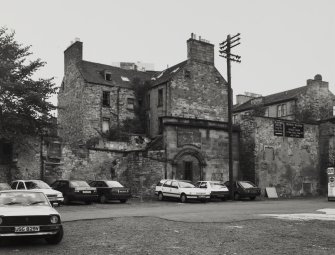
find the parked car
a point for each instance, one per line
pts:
(244, 189)
(54, 196)
(182, 190)
(217, 189)
(73, 190)
(110, 190)
(4, 186)
(28, 213)
(159, 186)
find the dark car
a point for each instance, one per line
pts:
(4, 186)
(26, 213)
(76, 191)
(111, 190)
(244, 189)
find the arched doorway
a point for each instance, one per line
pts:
(188, 164)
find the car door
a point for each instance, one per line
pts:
(175, 192)
(166, 189)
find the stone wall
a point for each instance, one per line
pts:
(207, 147)
(289, 164)
(138, 170)
(202, 96)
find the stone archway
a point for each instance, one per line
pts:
(188, 164)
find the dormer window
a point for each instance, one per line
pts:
(108, 76)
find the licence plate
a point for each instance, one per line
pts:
(86, 192)
(27, 229)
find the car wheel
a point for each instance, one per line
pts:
(123, 200)
(55, 239)
(183, 198)
(236, 196)
(102, 199)
(160, 196)
(252, 198)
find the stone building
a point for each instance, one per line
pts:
(185, 120)
(285, 138)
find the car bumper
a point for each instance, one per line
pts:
(198, 197)
(45, 230)
(85, 198)
(56, 199)
(118, 196)
(220, 194)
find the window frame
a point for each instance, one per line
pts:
(160, 99)
(106, 98)
(105, 119)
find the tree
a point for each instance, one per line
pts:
(24, 106)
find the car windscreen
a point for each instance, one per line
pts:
(186, 185)
(247, 185)
(37, 185)
(217, 185)
(114, 184)
(79, 184)
(22, 198)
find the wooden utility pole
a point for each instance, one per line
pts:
(225, 50)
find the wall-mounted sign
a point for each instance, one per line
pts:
(278, 128)
(294, 130)
(288, 129)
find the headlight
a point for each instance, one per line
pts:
(54, 219)
(0, 220)
(59, 195)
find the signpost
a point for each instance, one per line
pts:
(331, 183)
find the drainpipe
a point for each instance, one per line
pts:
(118, 111)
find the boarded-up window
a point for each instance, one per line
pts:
(268, 154)
(130, 103)
(105, 125)
(54, 150)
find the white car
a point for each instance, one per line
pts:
(182, 190)
(54, 196)
(26, 213)
(217, 189)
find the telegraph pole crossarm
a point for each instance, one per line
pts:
(225, 50)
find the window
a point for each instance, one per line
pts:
(130, 103)
(148, 101)
(108, 76)
(187, 74)
(21, 186)
(6, 153)
(266, 114)
(281, 110)
(234, 119)
(217, 79)
(160, 97)
(106, 98)
(105, 125)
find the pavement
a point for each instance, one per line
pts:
(219, 211)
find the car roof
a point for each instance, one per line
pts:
(32, 180)
(21, 190)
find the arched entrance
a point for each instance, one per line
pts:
(188, 164)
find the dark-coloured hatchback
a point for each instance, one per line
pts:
(244, 189)
(76, 191)
(111, 190)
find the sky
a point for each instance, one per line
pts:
(283, 42)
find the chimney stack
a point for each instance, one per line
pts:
(73, 54)
(200, 50)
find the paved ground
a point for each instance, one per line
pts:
(193, 228)
(218, 211)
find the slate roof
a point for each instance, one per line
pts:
(167, 74)
(272, 99)
(94, 73)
